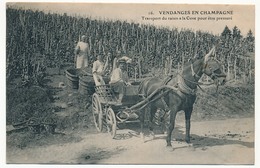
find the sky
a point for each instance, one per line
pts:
(243, 16)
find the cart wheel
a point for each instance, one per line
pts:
(111, 122)
(97, 112)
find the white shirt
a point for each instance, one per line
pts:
(82, 50)
(98, 66)
(82, 47)
(118, 75)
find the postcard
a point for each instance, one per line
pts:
(130, 83)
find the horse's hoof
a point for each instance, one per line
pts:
(151, 136)
(187, 141)
(190, 145)
(142, 137)
(169, 148)
(169, 145)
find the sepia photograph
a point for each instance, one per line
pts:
(101, 83)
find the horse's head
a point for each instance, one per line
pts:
(214, 70)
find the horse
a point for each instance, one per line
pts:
(184, 96)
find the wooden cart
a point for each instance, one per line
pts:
(108, 113)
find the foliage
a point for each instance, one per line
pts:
(53, 37)
(226, 32)
(26, 102)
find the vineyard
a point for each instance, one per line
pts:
(36, 41)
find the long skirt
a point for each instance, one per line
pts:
(81, 61)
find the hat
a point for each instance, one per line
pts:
(127, 59)
(101, 55)
(121, 61)
(83, 37)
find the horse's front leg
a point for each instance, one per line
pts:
(187, 122)
(171, 126)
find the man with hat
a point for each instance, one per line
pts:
(120, 57)
(119, 79)
(81, 53)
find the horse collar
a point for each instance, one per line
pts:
(195, 75)
(184, 88)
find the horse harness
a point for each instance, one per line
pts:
(181, 88)
(178, 88)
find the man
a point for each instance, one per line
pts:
(119, 80)
(120, 57)
(99, 68)
(109, 66)
(115, 61)
(81, 53)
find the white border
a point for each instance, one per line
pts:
(3, 84)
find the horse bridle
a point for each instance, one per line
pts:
(213, 75)
(195, 75)
(213, 71)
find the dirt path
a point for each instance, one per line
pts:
(228, 141)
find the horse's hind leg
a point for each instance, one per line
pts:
(151, 117)
(165, 122)
(141, 118)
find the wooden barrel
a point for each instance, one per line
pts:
(72, 78)
(86, 85)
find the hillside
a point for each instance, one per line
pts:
(231, 101)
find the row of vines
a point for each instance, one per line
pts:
(36, 40)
